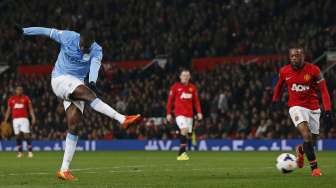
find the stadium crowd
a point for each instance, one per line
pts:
(236, 104)
(235, 97)
(132, 29)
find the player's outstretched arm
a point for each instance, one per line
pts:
(37, 31)
(52, 33)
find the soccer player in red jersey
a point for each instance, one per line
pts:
(303, 80)
(19, 105)
(183, 95)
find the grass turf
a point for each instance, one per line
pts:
(160, 169)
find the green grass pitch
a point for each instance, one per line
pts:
(160, 169)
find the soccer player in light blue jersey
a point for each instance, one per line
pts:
(79, 56)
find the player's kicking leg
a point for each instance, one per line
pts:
(83, 93)
(308, 148)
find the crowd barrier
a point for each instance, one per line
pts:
(172, 145)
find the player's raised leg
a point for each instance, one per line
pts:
(73, 115)
(84, 93)
(308, 147)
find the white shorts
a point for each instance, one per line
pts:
(21, 125)
(184, 122)
(300, 114)
(63, 86)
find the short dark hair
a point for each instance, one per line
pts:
(296, 45)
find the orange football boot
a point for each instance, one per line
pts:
(66, 175)
(316, 172)
(131, 119)
(299, 156)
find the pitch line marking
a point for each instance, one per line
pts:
(113, 170)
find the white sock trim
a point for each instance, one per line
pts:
(69, 151)
(99, 106)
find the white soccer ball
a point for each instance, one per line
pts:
(286, 163)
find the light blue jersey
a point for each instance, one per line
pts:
(70, 60)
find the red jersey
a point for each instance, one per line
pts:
(19, 106)
(302, 87)
(184, 98)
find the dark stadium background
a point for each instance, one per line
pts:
(234, 49)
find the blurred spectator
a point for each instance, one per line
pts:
(235, 97)
(131, 29)
(236, 105)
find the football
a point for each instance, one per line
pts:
(286, 163)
